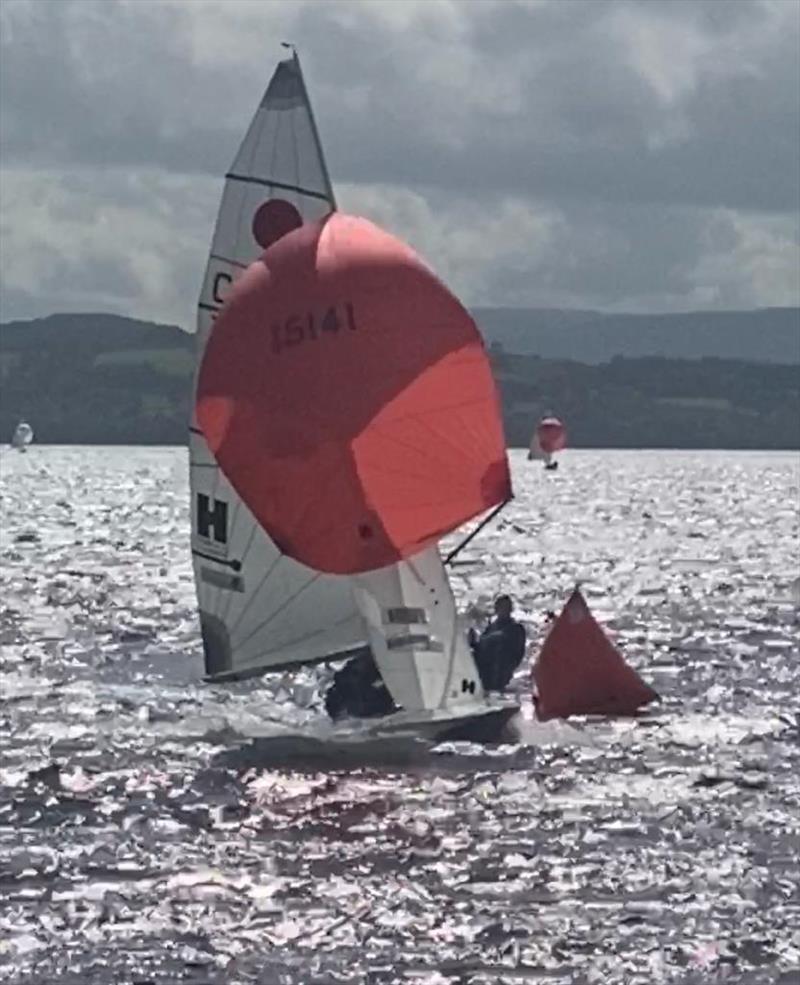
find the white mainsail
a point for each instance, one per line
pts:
(259, 609)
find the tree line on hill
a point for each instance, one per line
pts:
(106, 380)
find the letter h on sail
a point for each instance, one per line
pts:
(215, 518)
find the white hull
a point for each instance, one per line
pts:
(482, 721)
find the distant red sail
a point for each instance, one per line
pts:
(580, 672)
(348, 398)
(552, 435)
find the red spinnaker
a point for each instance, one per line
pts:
(580, 672)
(347, 397)
(552, 435)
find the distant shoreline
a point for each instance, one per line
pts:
(105, 380)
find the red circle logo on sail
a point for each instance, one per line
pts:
(273, 220)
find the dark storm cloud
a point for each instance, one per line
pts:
(568, 99)
(619, 153)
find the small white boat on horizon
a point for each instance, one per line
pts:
(22, 437)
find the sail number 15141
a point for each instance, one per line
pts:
(313, 325)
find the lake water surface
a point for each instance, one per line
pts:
(157, 829)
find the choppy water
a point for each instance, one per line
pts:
(156, 829)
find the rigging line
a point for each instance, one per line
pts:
(232, 629)
(468, 539)
(242, 643)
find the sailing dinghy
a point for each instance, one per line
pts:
(345, 421)
(549, 437)
(22, 437)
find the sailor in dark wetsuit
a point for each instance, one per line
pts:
(358, 690)
(499, 649)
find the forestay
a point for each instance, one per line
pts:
(258, 608)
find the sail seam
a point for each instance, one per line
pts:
(267, 183)
(232, 629)
(274, 615)
(233, 263)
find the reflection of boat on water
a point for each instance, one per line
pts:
(331, 452)
(549, 437)
(22, 437)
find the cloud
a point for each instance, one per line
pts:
(623, 154)
(129, 242)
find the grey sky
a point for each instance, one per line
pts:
(622, 154)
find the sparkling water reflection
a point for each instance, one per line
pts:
(154, 828)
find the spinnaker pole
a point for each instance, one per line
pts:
(485, 522)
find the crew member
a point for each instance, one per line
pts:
(358, 690)
(499, 649)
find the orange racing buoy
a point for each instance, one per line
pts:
(579, 671)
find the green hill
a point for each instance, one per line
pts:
(102, 379)
(765, 335)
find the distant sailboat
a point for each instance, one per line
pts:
(22, 437)
(332, 446)
(549, 437)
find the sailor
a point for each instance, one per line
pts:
(499, 649)
(358, 690)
